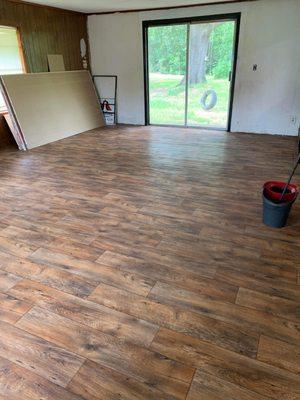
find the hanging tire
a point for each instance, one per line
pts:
(209, 99)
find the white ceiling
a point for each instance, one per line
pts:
(90, 6)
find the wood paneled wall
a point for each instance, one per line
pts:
(46, 30)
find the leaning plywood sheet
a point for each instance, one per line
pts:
(53, 106)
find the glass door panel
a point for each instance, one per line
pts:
(167, 59)
(210, 65)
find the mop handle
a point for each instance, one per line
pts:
(290, 178)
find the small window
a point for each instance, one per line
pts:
(11, 55)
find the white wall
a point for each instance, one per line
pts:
(116, 47)
(265, 101)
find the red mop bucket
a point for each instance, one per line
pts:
(278, 198)
(274, 190)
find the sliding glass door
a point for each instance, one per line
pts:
(211, 56)
(167, 49)
(189, 68)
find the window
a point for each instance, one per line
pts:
(11, 56)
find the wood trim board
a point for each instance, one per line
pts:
(171, 7)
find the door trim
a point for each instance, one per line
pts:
(187, 66)
(207, 18)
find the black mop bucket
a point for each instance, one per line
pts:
(275, 215)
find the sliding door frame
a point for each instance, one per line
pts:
(236, 17)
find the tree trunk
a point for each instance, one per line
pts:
(199, 42)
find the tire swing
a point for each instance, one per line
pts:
(209, 99)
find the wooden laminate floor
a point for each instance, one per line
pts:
(134, 265)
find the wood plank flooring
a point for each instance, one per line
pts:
(134, 266)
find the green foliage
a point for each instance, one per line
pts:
(221, 50)
(167, 50)
(221, 70)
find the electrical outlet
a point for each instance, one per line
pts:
(293, 119)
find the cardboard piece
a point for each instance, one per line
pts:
(56, 62)
(52, 106)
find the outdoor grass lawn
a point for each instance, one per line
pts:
(167, 99)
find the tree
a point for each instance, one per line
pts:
(222, 50)
(167, 49)
(210, 50)
(199, 44)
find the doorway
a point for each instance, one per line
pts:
(190, 71)
(11, 55)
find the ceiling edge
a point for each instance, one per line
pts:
(170, 7)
